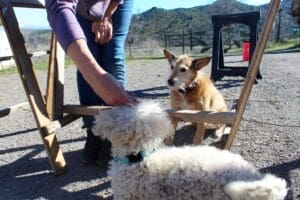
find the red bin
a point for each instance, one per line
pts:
(246, 51)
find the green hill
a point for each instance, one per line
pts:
(156, 22)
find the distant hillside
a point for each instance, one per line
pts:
(156, 22)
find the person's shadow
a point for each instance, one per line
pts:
(31, 178)
(151, 93)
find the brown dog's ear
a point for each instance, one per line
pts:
(199, 63)
(169, 56)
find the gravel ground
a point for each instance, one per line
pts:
(268, 136)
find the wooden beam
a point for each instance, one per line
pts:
(30, 84)
(55, 81)
(182, 115)
(203, 116)
(59, 123)
(84, 110)
(253, 69)
(7, 111)
(28, 3)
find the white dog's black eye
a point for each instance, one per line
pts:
(183, 69)
(172, 67)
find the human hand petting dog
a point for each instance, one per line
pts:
(103, 30)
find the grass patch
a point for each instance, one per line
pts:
(284, 45)
(37, 66)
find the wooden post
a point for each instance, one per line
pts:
(55, 81)
(31, 86)
(253, 69)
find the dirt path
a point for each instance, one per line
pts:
(269, 135)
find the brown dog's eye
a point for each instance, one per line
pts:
(183, 69)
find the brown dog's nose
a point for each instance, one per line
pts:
(171, 82)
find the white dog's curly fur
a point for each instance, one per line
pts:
(185, 173)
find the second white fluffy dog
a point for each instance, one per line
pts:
(143, 168)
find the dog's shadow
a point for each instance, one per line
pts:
(185, 133)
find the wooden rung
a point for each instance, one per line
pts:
(38, 53)
(203, 116)
(12, 109)
(182, 115)
(59, 123)
(84, 110)
(28, 3)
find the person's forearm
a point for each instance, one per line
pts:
(83, 59)
(103, 84)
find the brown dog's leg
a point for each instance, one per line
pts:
(199, 133)
(220, 132)
(170, 140)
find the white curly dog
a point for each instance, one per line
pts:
(143, 168)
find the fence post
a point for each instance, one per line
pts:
(191, 41)
(166, 41)
(182, 42)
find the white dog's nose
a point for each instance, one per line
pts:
(171, 82)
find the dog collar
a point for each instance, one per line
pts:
(131, 159)
(188, 89)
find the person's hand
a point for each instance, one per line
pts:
(103, 30)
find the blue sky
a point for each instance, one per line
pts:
(37, 17)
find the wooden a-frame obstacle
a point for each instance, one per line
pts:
(50, 112)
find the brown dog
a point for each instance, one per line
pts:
(192, 89)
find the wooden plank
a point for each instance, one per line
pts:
(32, 55)
(253, 69)
(38, 53)
(50, 79)
(28, 3)
(30, 84)
(61, 122)
(9, 110)
(203, 116)
(59, 80)
(182, 115)
(84, 110)
(55, 81)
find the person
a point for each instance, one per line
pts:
(93, 34)
(296, 10)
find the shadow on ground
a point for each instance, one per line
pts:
(150, 93)
(28, 170)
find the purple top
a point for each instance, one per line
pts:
(62, 17)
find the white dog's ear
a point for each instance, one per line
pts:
(199, 63)
(169, 56)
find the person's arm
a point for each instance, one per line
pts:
(61, 17)
(103, 28)
(104, 85)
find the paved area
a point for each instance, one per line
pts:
(268, 137)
